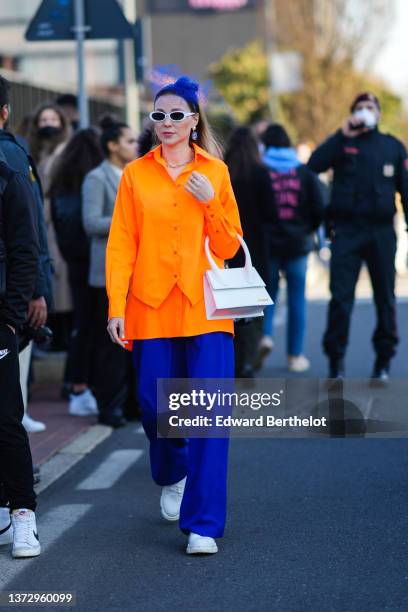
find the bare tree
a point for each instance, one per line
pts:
(337, 41)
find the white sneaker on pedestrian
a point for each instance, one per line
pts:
(264, 348)
(6, 528)
(31, 425)
(298, 363)
(83, 404)
(201, 545)
(25, 537)
(170, 500)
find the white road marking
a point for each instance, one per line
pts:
(51, 526)
(110, 470)
(139, 430)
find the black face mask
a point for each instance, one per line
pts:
(48, 131)
(75, 124)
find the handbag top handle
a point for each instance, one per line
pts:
(248, 261)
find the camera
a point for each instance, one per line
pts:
(42, 335)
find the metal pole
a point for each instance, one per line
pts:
(269, 16)
(79, 31)
(131, 87)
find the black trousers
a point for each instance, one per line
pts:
(246, 340)
(82, 338)
(16, 466)
(112, 368)
(352, 245)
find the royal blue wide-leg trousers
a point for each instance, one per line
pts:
(203, 460)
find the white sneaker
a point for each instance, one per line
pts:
(31, 425)
(201, 545)
(6, 528)
(25, 539)
(170, 500)
(264, 348)
(298, 363)
(83, 404)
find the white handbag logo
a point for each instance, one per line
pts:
(234, 293)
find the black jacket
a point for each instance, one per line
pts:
(18, 234)
(368, 171)
(17, 157)
(296, 211)
(254, 199)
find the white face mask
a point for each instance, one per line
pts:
(366, 116)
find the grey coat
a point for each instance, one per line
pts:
(98, 200)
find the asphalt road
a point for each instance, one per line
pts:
(313, 525)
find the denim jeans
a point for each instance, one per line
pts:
(294, 270)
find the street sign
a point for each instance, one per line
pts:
(285, 70)
(54, 20)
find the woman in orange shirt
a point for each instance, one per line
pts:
(168, 202)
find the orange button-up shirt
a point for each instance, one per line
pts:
(155, 256)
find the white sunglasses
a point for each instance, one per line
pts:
(177, 116)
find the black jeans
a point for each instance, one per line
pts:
(246, 340)
(82, 338)
(16, 466)
(352, 245)
(112, 368)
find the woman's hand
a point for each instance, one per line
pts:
(116, 331)
(200, 187)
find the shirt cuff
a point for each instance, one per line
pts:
(116, 308)
(212, 209)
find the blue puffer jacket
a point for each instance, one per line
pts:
(15, 153)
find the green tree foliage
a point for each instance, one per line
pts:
(241, 76)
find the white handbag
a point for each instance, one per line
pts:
(234, 293)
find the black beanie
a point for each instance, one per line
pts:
(367, 96)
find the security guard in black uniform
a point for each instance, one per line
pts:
(369, 168)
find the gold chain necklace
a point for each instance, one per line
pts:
(179, 165)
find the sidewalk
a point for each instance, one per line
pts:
(46, 405)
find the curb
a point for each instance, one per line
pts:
(70, 455)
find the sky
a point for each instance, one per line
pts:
(391, 63)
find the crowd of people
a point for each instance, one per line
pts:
(82, 200)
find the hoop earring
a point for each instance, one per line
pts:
(194, 135)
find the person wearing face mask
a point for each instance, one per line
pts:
(49, 135)
(112, 367)
(369, 167)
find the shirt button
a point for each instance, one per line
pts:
(175, 252)
(176, 276)
(175, 227)
(211, 216)
(174, 203)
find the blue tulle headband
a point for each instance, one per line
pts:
(184, 87)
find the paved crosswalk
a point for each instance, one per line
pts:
(51, 526)
(110, 470)
(59, 520)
